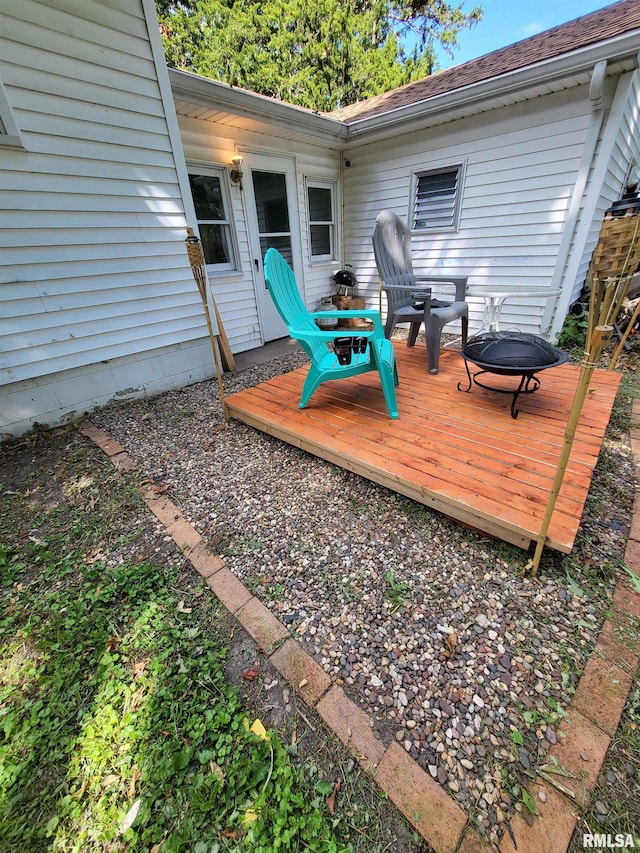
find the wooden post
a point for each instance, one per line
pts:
(617, 252)
(198, 268)
(228, 361)
(626, 334)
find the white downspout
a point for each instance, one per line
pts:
(596, 95)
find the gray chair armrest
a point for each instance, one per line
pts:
(458, 281)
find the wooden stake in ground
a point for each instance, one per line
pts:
(199, 270)
(615, 259)
(600, 338)
(623, 339)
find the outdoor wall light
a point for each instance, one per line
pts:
(235, 173)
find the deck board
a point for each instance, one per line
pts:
(459, 453)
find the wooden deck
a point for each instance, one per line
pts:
(459, 453)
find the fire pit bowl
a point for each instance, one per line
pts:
(510, 353)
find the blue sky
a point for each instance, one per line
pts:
(507, 21)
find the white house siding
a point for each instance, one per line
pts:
(94, 279)
(619, 146)
(521, 164)
(213, 143)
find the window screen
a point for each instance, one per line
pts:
(437, 199)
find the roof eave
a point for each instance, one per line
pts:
(566, 65)
(215, 95)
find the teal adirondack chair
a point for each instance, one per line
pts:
(378, 353)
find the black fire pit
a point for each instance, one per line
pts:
(510, 353)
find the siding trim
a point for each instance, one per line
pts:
(173, 128)
(596, 94)
(589, 208)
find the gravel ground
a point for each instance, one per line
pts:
(429, 626)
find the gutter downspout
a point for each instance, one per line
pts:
(596, 95)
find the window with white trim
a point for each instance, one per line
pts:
(436, 204)
(320, 196)
(212, 205)
(9, 130)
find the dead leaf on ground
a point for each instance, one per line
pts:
(250, 674)
(182, 608)
(131, 815)
(250, 816)
(452, 642)
(97, 555)
(230, 833)
(331, 799)
(81, 790)
(160, 488)
(132, 784)
(139, 667)
(216, 771)
(258, 729)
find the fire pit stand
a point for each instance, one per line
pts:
(510, 353)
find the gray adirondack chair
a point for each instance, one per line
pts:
(430, 299)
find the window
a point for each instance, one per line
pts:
(9, 130)
(437, 199)
(212, 213)
(321, 221)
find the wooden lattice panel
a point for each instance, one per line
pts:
(617, 253)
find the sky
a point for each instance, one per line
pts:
(507, 21)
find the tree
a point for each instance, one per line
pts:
(320, 54)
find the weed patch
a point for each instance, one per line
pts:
(112, 701)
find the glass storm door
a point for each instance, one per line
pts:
(271, 225)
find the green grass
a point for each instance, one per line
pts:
(118, 728)
(615, 804)
(115, 710)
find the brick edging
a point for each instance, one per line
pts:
(592, 717)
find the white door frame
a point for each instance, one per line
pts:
(271, 325)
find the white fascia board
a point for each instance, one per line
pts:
(567, 65)
(221, 96)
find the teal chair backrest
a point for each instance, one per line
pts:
(281, 284)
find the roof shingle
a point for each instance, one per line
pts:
(606, 23)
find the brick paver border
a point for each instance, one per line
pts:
(592, 719)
